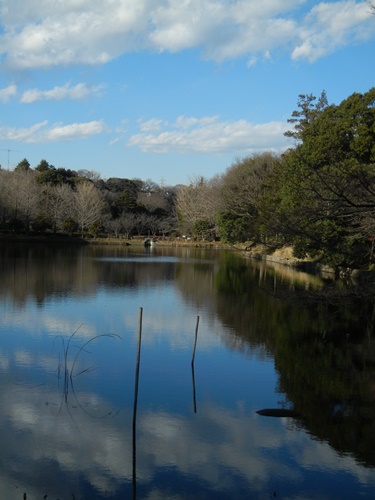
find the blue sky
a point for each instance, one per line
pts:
(170, 89)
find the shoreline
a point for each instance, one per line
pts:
(52, 238)
(282, 255)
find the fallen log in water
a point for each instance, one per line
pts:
(278, 412)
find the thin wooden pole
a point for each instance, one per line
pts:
(194, 393)
(135, 405)
(195, 341)
(192, 366)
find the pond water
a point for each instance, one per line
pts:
(81, 419)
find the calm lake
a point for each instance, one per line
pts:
(78, 423)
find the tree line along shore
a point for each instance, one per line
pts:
(317, 198)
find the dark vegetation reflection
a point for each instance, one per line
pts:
(323, 347)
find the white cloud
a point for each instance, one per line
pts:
(79, 91)
(21, 134)
(7, 93)
(41, 33)
(70, 132)
(40, 132)
(209, 135)
(188, 122)
(152, 125)
(329, 26)
(46, 33)
(224, 31)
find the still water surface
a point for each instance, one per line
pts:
(69, 329)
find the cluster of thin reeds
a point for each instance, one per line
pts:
(66, 366)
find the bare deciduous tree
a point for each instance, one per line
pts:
(4, 190)
(113, 226)
(200, 201)
(56, 204)
(87, 205)
(92, 175)
(152, 225)
(127, 224)
(140, 223)
(22, 197)
(168, 224)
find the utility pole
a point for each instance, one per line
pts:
(9, 151)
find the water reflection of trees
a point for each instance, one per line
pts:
(331, 382)
(41, 271)
(323, 346)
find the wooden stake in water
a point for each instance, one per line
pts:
(192, 366)
(195, 341)
(135, 403)
(194, 393)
